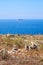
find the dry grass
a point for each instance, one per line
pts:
(22, 57)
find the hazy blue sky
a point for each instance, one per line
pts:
(26, 9)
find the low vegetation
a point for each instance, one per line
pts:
(21, 55)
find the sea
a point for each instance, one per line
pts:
(21, 26)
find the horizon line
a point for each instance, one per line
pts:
(21, 19)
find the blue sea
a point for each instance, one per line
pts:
(21, 26)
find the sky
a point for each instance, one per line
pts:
(21, 9)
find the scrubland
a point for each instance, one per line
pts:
(21, 56)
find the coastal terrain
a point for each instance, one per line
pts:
(21, 54)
